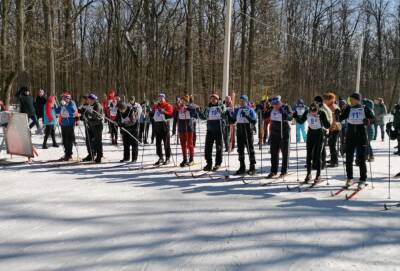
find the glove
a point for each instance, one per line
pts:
(63, 102)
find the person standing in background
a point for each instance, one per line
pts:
(380, 111)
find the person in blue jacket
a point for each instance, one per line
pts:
(67, 111)
(244, 116)
(300, 111)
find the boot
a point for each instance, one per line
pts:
(241, 170)
(55, 145)
(271, 175)
(349, 182)
(166, 162)
(87, 158)
(191, 161)
(123, 160)
(98, 159)
(159, 162)
(317, 179)
(208, 167)
(282, 175)
(184, 163)
(361, 185)
(308, 178)
(44, 146)
(252, 170)
(216, 167)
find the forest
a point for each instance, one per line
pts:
(295, 48)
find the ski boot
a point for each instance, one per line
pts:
(123, 160)
(166, 162)
(184, 163)
(208, 167)
(283, 175)
(191, 162)
(216, 167)
(87, 159)
(241, 170)
(44, 147)
(271, 175)
(252, 170)
(98, 159)
(361, 185)
(308, 178)
(317, 179)
(55, 145)
(349, 182)
(159, 162)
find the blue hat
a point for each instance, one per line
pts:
(92, 96)
(244, 98)
(276, 100)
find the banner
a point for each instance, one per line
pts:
(17, 134)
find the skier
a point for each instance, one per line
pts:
(111, 112)
(334, 130)
(396, 125)
(49, 120)
(300, 110)
(84, 105)
(161, 113)
(186, 114)
(280, 115)
(67, 111)
(144, 123)
(370, 130)
(358, 117)
(229, 131)
(342, 106)
(317, 125)
(244, 116)
(263, 129)
(329, 115)
(40, 102)
(28, 107)
(94, 116)
(380, 113)
(128, 118)
(213, 113)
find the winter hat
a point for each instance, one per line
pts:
(161, 95)
(67, 95)
(318, 99)
(300, 102)
(276, 100)
(244, 98)
(122, 106)
(356, 96)
(92, 96)
(185, 98)
(132, 99)
(215, 96)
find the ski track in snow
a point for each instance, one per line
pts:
(105, 217)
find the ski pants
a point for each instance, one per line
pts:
(279, 144)
(68, 138)
(315, 141)
(356, 144)
(211, 137)
(332, 143)
(161, 133)
(95, 134)
(245, 140)
(113, 131)
(186, 139)
(129, 142)
(301, 132)
(49, 131)
(382, 129)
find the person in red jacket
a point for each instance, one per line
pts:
(161, 112)
(111, 113)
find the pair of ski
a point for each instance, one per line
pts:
(349, 188)
(388, 207)
(197, 173)
(309, 186)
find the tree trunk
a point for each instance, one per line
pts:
(250, 57)
(20, 48)
(3, 42)
(243, 46)
(48, 17)
(200, 10)
(189, 49)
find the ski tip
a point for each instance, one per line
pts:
(288, 188)
(385, 207)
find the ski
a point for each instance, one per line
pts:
(301, 185)
(355, 192)
(147, 167)
(389, 207)
(341, 190)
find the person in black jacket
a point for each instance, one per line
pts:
(280, 115)
(128, 118)
(40, 102)
(84, 105)
(94, 117)
(317, 125)
(28, 106)
(358, 118)
(396, 125)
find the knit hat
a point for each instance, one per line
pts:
(161, 95)
(132, 99)
(215, 96)
(122, 106)
(185, 98)
(356, 96)
(92, 96)
(67, 95)
(244, 98)
(276, 100)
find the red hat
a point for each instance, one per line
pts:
(67, 94)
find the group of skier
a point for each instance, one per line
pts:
(345, 126)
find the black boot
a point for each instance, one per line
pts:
(308, 178)
(98, 159)
(159, 162)
(166, 162)
(184, 163)
(208, 167)
(241, 170)
(252, 170)
(191, 161)
(87, 158)
(216, 167)
(44, 147)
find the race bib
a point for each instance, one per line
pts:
(64, 112)
(114, 111)
(356, 116)
(276, 115)
(240, 118)
(214, 113)
(300, 111)
(158, 117)
(184, 115)
(314, 122)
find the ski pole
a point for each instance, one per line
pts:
(390, 177)
(199, 129)
(326, 166)
(297, 158)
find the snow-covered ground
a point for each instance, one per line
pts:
(103, 217)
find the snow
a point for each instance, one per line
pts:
(103, 217)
